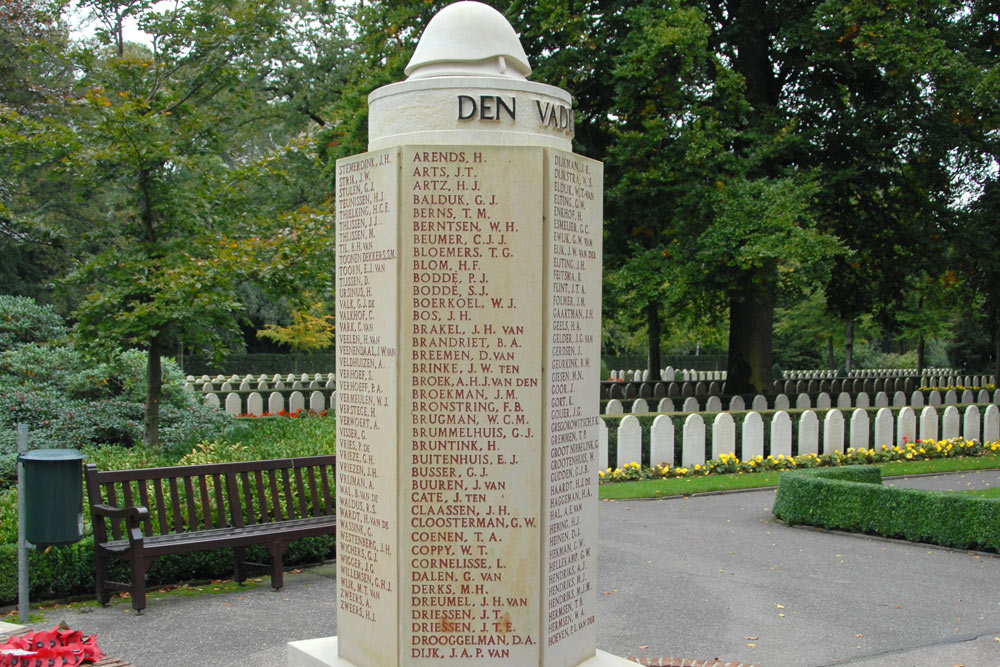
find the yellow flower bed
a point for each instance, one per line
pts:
(731, 464)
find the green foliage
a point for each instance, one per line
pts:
(311, 329)
(853, 499)
(72, 400)
(24, 321)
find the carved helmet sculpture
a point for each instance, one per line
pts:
(468, 39)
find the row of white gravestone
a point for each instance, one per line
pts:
(825, 373)
(251, 378)
(824, 401)
(938, 377)
(276, 403)
(262, 385)
(859, 431)
(668, 374)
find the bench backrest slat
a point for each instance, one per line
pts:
(206, 503)
(161, 511)
(116, 526)
(301, 492)
(192, 508)
(327, 496)
(248, 508)
(147, 526)
(258, 477)
(175, 505)
(311, 476)
(235, 507)
(220, 501)
(289, 499)
(272, 476)
(127, 494)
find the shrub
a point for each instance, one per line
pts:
(853, 499)
(24, 321)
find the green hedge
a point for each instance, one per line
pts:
(61, 572)
(262, 363)
(853, 499)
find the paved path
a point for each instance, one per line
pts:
(704, 577)
(717, 576)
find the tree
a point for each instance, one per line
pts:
(311, 329)
(182, 215)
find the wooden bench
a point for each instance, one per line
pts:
(139, 515)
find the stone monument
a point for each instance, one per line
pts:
(468, 332)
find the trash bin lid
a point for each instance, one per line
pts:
(53, 455)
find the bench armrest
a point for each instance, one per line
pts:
(133, 516)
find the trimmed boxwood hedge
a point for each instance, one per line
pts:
(66, 571)
(853, 499)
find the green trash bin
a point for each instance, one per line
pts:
(53, 496)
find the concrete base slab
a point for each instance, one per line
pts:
(322, 652)
(7, 628)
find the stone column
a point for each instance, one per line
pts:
(468, 317)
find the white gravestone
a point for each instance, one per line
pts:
(753, 436)
(469, 291)
(991, 424)
(255, 404)
(629, 442)
(972, 423)
(860, 429)
(950, 423)
(883, 428)
(833, 432)
(602, 447)
(723, 435)
(907, 426)
(781, 435)
(929, 423)
(808, 433)
(693, 444)
(661, 441)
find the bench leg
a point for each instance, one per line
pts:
(102, 575)
(140, 566)
(277, 550)
(239, 564)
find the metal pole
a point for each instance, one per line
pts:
(22, 545)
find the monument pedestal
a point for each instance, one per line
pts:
(323, 653)
(468, 367)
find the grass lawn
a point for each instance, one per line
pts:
(661, 488)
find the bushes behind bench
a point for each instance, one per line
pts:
(61, 572)
(854, 499)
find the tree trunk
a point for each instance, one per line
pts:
(996, 358)
(829, 353)
(653, 325)
(751, 322)
(154, 389)
(849, 347)
(921, 348)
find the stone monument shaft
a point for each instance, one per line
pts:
(468, 316)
